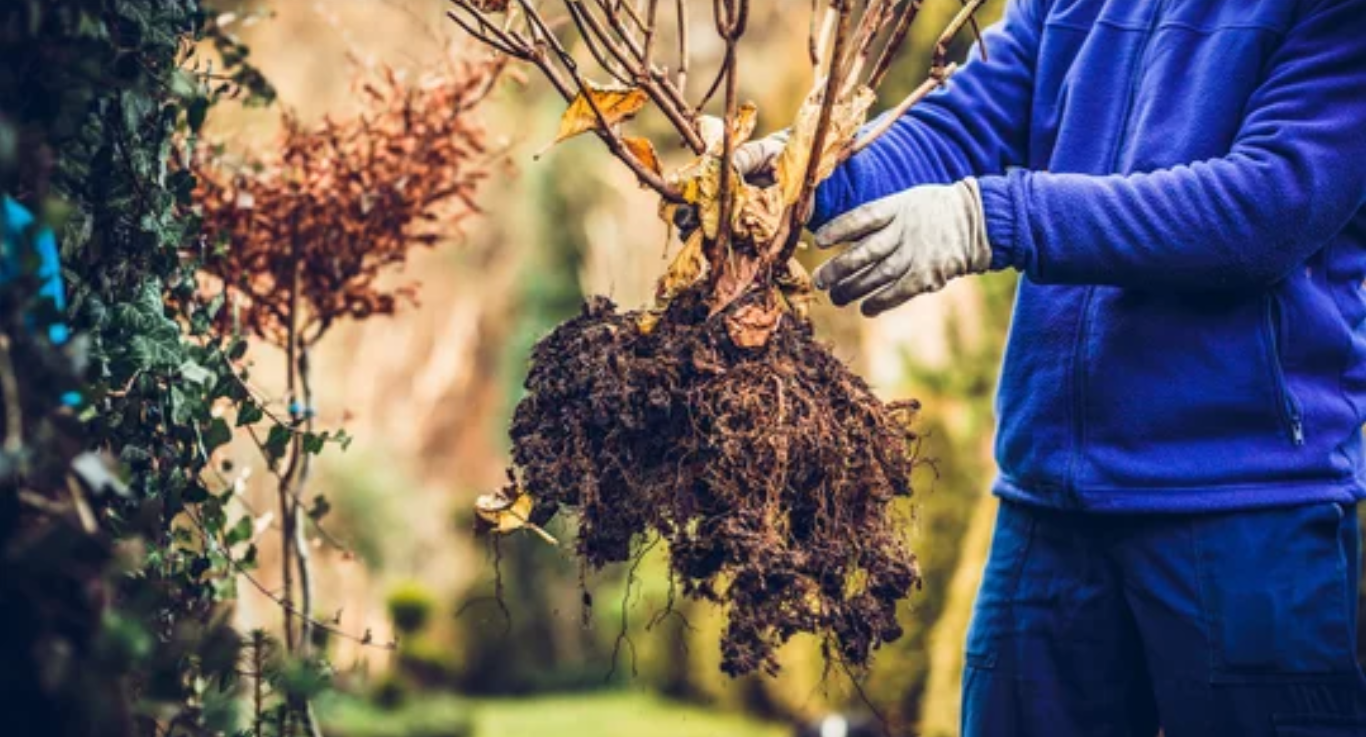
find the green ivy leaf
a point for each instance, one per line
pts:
(144, 338)
(240, 532)
(218, 435)
(342, 438)
(277, 442)
(314, 442)
(249, 413)
(196, 112)
(320, 508)
(193, 372)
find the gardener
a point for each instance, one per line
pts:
(1182, 186)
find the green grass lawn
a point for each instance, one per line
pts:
(605, 714)
(610, 714)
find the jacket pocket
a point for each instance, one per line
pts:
(1289, 407)
(1278, 594)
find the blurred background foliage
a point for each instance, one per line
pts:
(509, 649)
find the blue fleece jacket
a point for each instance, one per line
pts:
(1182, 185)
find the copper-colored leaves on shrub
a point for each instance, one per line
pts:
(323, 214)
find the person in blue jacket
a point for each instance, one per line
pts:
(1181, 185)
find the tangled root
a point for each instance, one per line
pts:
(770, 473)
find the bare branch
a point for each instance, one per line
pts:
(966, 15)
(684, 53)
(487, 33)
(889, 51)
(604, 129)
(650, 16)
(732, 29)
(653, 81)
(889, 119)
(833, 85)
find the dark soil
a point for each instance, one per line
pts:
(769, 472)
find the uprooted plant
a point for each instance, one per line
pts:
(713, 419)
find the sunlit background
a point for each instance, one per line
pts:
(427, 396)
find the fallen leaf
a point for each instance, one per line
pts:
(751, 325)
(647, 321)
(508, 514)
(617, 104)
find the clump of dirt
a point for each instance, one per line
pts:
(770, 472)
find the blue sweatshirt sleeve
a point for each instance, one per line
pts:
(1293, 178)
(977, 125)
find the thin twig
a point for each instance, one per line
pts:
(833, 85)
(731, 28)
(964, 16)
(285, 606)
(888, 120)
(300, 541)
(604, 130)
(894, 43)
(684, 53)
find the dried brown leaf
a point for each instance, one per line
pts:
(644, 151)
(617, 105)
(845, 120)
(504, 514)
(751, 325)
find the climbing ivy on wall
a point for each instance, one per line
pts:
(115, 566)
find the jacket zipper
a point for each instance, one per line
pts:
(1084, 324)
(1290, 408)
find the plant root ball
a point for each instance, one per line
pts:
(770, 473)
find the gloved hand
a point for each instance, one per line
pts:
(755, 161)
(905, 245)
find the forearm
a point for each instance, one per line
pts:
(977, 125)
(1291, 180)
(1228, 223)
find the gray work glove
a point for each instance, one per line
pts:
(755, 161)
(905, 245)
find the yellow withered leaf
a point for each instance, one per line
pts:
(797, 288)
(846, 118)
(687, 267)
(761, 215)
(617, 104)
(743, 128)
(647, 321)
(713, 129)
(699, 183)
(506, 515)
(644, 151)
